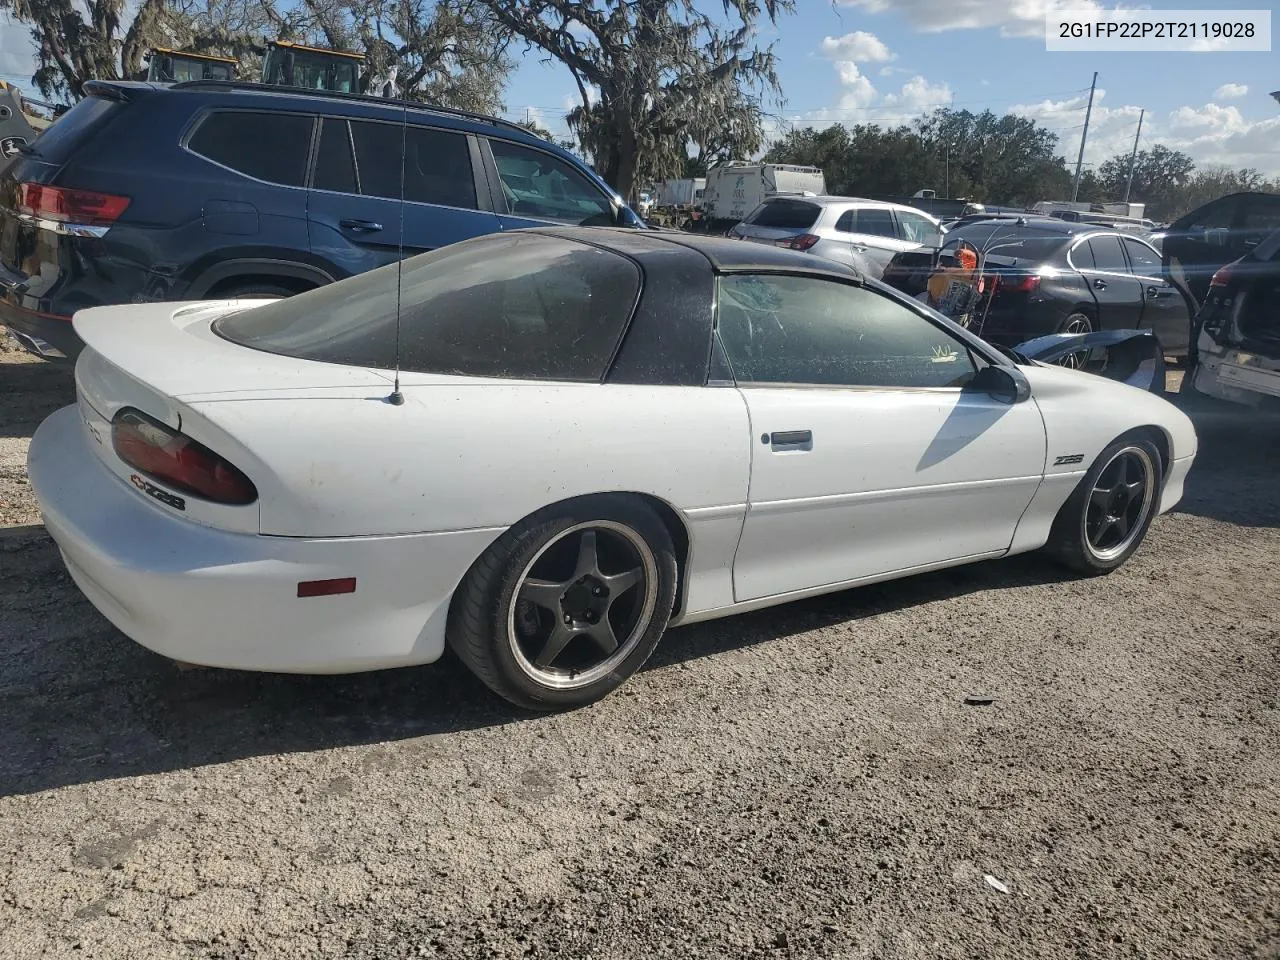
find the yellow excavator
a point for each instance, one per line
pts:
(175, 66)
(297, 65)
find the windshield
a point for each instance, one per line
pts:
(518, 305)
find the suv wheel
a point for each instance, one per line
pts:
(255, 289)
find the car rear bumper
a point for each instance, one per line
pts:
(216, 598)
(48, 335)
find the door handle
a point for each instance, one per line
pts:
(1099, 284)
(361, 226)
(860, 247)
(790, 440)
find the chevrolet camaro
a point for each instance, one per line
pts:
(545, 447)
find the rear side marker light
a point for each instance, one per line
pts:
(1222, 278)
(65, 205)
(174, 459)
(326, 588)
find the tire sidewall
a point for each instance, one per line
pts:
(1080, 504)
(532, 536)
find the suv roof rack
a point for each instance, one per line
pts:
(253, 87)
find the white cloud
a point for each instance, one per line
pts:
(855, 90)
(1015, 18)
(860, 46)
(1229, 91)
(918, 95)
(1211, 134)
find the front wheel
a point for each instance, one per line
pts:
(567, 604)
(1107, 517)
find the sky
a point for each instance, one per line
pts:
(889, 61)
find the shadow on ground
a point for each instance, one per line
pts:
(32, 390)
(81, 703)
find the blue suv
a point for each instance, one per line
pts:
(145, 192)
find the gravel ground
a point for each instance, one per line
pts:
(802, 782)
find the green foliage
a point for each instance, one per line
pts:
(655, 76)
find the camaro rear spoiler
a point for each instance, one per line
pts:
(1134, 357)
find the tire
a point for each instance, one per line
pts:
(1081, 538)
(254, 289)
(505, 617)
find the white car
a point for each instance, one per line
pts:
(866, 234)
(597, 434)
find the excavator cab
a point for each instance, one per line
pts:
(313, 68)
(175, 66)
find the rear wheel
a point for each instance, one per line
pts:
(1075, 323)
(568, 604)
(1107, 517)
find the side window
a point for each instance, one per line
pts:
(1082, 256)
(876, 221)
(1144, 260)
(1107, 254)
(537, 184)
(267, 146)
(335, 164)
(845, 223)
(802, 330)
(918, 229)
(1261, 217)
(437, 165)
(1215, 216)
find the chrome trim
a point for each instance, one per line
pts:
(64, 229)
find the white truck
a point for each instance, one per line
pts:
(735, 189)
(681, 194)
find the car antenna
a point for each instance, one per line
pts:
(396, 398)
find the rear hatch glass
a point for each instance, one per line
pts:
(779, 218)
(73, 129)
(38, 162)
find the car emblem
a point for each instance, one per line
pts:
(11, 146)
(151, 490)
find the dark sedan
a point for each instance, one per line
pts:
(1044, 276)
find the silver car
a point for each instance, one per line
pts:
(864, 233)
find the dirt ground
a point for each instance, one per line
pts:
(802, 782)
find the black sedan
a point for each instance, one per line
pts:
(1044, 276)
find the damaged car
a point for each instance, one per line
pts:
(1238, 347)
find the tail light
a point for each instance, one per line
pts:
(802, 242)
(1222, 277)
(70, 206)
(175, 459)
(1021, 283)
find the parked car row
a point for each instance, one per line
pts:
(146, 192)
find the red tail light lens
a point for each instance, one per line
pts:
(1023, 283)
(1222, 277)
(70, 206)
(802, 242)
(176, 460)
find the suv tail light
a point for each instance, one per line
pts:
(175, 459)
(70, 206)
(802, 242)
(1223, 277)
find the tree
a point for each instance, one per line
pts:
(80, 40)
(1159, 177)
(450, 52)
(654, 76)
(993, 159)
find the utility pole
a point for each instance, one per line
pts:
(1133, 156)
(948, 170)
(1075, 187)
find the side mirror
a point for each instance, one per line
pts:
(1006, 384)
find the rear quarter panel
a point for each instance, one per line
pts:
(460, 456)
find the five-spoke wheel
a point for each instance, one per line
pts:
(567, 603)
(1106, 517)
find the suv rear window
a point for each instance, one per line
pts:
(520, 306)
(785, 215)
(267, 146)
(59, 141)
